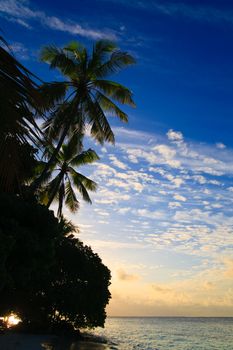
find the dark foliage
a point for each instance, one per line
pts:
(47, 277)
(20, 103)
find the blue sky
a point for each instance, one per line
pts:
(162, 217)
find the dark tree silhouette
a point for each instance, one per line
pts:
(48, 276)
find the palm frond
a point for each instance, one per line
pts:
(86, 157)
(118, 61)
(116, 91)
(78, 51)
(67, 226)
(71, 200)
(73, 147)
(52, 189)
(53, 92)
(109, 106)
(57, 58)
(38, 170)
(56, 122)
(78, 179)
(100, 127)
(101, 49)
(20, 104)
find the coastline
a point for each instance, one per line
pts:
(19, 341)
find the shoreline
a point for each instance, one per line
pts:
(25, 341)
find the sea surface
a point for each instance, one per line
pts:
(166, 333)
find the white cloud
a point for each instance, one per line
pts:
(199, 178)
(166, 151)
(174, 135)
(113, 244)
(124, 210)
(116, 162)
(179, 197)
(20, 12)
(101, 212)
(150, 214)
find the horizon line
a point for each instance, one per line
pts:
(169, 316)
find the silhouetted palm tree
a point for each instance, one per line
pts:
(61, 187)
(89, 97)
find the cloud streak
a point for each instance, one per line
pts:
(21, 13)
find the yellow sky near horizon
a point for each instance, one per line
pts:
(209, 293)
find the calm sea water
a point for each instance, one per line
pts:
(169, 333)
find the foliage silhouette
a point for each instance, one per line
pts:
(60, 188)
(48, 276)
(86, 97)
(20, 103)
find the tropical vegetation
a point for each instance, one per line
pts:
(47, 276)
(60, 187)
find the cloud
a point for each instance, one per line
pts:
(220, 145)
(124, 210)
(162, 289)
(174, 135)
(126, 277)
(166, 151)
(115, 245)
(179, 197)
(20, 12)
(208, 285)
(118, 163)
(101, 212)
(150, 214)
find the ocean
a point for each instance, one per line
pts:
(166, 333)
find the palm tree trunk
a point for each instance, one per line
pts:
(54, 192)
(37, 182)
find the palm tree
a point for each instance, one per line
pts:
(20, 102)
(86, 98)
(61, 186)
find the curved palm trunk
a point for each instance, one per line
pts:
(37, 182)
(54, 192)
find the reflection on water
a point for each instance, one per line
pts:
(48, 346)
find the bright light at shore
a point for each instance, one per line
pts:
(11, 320)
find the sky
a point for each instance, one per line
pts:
(161, 219)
